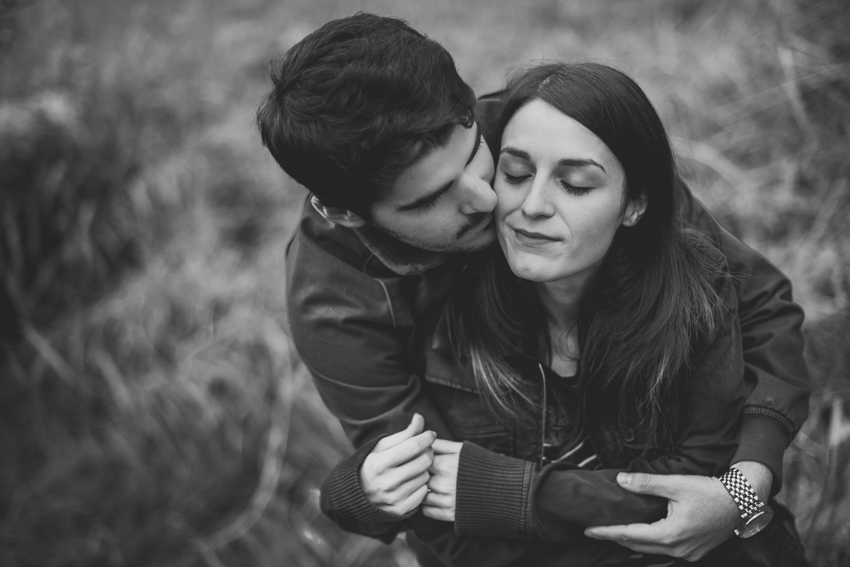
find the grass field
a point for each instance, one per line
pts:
(152, 410)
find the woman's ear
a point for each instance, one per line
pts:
(635, 209)
(337, 215)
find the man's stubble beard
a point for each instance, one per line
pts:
(449, 247)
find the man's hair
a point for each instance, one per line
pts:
(358, 101)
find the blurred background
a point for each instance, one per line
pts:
(152, 409)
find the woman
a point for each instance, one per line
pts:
(601, 337)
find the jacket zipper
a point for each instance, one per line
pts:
(543, 444)
(543, 434)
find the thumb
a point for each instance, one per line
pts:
(415, 427)
(665, 486)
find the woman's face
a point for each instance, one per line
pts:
(560, 196)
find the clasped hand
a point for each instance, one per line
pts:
(412, 468)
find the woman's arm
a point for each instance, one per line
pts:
(507, 497)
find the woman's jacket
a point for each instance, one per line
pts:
(521, 479)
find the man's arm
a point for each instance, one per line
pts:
(351, 332)
(352, 337)
(771, 323)
(777, 406)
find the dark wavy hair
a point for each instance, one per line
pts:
(653, 298)
(356, 102)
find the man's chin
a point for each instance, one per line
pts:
(481, 242)
(475, 240)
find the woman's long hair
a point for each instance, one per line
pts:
(652, 300)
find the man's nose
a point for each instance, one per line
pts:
(537, 202)
(478, 196)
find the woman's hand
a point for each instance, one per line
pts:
(394, 476)
(440, 501)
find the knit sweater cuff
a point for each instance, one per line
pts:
(344, 502)
(763, 439)
(493, 494)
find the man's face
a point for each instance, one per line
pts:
(443, 202)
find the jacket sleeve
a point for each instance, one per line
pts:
(352, 337)
(775, 371)
(509, 497)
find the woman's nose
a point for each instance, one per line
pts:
(478, 196)
(537, 202)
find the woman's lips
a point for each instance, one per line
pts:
(531, 238)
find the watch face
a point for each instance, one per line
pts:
(757, 523)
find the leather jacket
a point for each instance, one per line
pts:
(356, 303)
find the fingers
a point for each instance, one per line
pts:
(639, 533)
(409, 503)
(397, 497)
(443, 484)
(415, 427)
(410, 470)
(405, 451)
(644, 538)
(439, 513)
(438, 500)
(665, 486)
(444, 447)
(413, 485)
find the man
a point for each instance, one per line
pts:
(373, 119)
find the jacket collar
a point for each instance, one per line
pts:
(398, 256)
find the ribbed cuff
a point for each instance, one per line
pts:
(492, 494)
(344, 502)
(763, 440)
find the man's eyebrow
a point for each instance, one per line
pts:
(477, 144)
(565, 162)
(425, 199)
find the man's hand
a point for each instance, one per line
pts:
(440, 501)
(700, 515)
(394, 476)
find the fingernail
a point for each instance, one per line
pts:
(589, 533)
(624, 479)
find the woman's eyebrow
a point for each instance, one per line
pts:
(565, 162)
(516, 153)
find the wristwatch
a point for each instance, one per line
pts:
(755, 514)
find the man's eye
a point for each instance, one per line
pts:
(428, 206)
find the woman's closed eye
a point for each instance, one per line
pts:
(574, 189)
(515, 179)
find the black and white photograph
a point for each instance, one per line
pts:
(376, 283)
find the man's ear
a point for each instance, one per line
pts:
(337, 215)
(635, 209)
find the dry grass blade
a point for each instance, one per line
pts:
(50, 356)
(276, 442)
(792, 90)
